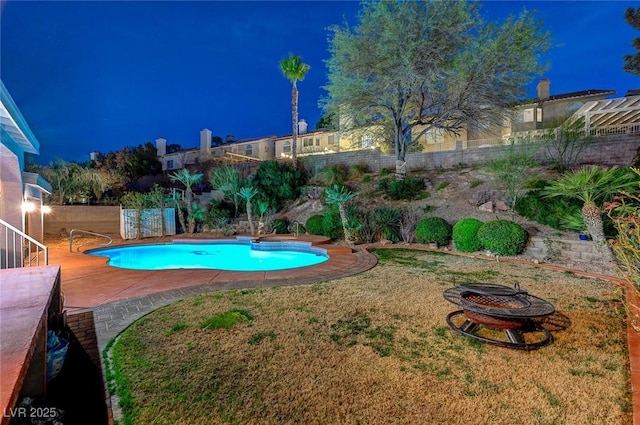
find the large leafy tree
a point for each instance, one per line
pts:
(416, 66)
(294, 70)
(632, 62)
(130, 163)
(593, 186)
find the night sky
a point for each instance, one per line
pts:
(99, 76)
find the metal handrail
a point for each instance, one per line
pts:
(22, 248)
(88, 233)
(296, 225)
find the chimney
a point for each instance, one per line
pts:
(544, 87)
(302, 127)
(205, 140)
(161, 146)
(93, 155)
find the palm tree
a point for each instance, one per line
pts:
(294, 70)
(185, 177)
(339, 195)
(247, 193)
(593, 186)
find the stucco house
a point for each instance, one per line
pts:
(21, 193)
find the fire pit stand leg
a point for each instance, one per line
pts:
(515, 336)
(469, 326)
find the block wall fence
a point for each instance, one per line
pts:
(611, 150)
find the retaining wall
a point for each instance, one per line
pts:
(562, 249)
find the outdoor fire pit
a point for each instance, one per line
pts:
(498, 314)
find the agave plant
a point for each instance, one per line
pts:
(593, 186)
(340, 195)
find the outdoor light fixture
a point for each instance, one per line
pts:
(46, 209)
(28, 206)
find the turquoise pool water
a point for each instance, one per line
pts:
(232, 256)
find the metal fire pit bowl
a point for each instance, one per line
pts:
(489, 307)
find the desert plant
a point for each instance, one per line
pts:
(625, 214)
(334, 174)
(511, 169)
(280, 225)
(277, 182)
(227, 180)
(185, 177)
(358, 170)
(433, 230)
(135, 201)
(368, 232)
(387, 220)
(565, 143)
(247, 193)
(406, 189)
(407, 225)
(314, 225)
(465, 234)
(593, 186)
(339, 196)
(502, 237)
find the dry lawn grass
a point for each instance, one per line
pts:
(375, 349)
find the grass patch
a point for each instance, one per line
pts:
(373, 348)
(226, 320)
(442, 186)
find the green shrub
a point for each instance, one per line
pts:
(387, 220)
(332, 224)
(277, 182)
(465, 235)
(384, 172)
(406, 189)
(334, 174)
(314, 225)
(503, 237)
(280, 225)
(433, 229)
(358, 170)
(552, 212)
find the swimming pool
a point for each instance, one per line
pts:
(238, 255)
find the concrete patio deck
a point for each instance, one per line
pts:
(118, 297)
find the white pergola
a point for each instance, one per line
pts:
(620, 115)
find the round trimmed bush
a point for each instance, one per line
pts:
(503, 237)
(314, 225)
(332, 223)
(433, 229)
(465, 234)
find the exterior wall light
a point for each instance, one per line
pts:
(28, 207)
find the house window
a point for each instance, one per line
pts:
(286, 147)
(366, 141)
(307, 141)
(248, 150)
(527, 115)
(318, 141)
(170, 164)
(332, 140)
